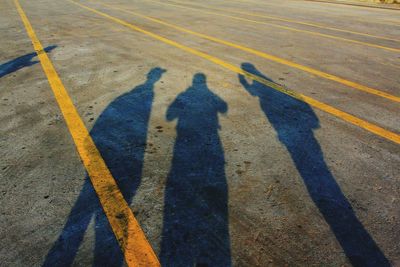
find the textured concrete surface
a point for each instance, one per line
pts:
(393, 4)
(217, 169)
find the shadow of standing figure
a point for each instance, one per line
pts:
(21, 62)
(195, 230)
(294, 122)
(120, 134)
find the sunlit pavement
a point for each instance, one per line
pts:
(199, 133)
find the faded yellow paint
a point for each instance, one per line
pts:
(305, 23)
(268, 56)
(394, 137)
(329, 12)
(134, 245)
(282, 27)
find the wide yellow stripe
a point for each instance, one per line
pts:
(136, 249)
(267, 56)
(280, 26)
(394, 137)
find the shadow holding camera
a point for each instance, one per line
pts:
(294, 122)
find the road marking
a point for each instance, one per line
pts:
(267, 56)
(279, 26)
(394, 137)
(394, 21)
(353, 4)
(134, 245)
(302, 23)
(265, 4)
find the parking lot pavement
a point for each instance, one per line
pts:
(207, 133)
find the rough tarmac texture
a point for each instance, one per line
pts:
(236, 172)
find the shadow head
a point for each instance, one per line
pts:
(199, 79)
(155, 74)
(49, 48)
(248, 67)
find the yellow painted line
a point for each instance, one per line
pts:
(279, 26)
(314, 8)
(358, 5)
(134, 245)
(304, 23)
(267, 56)
(394, 137)
(394, 21)
(371, 20)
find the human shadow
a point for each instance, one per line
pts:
(21, 62)
(195, 230)
(120, 134)
(294, 122)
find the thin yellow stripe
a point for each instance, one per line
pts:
(268, 56)
(394, 21)
(371, 20)
(136, 249)
(315, 103)
(303, 23)
(282, 27)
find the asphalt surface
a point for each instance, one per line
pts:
(218, 169)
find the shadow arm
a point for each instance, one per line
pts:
(173, 110)
(247, 85)
(223, 106)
